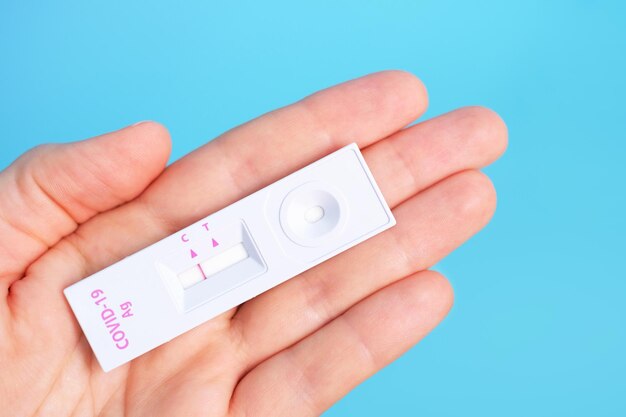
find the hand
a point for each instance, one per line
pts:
(69, 210)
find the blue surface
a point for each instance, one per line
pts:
(539, 325)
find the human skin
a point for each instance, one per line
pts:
(69, 210)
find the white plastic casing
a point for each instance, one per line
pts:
(229, 257)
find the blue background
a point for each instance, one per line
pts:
(539, 322)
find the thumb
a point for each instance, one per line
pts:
(50, 190)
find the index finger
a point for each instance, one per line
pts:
(259, 152)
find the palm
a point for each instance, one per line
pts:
(69, 211)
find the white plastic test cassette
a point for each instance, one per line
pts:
(229, 257)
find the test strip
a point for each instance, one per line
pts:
(191, 277)
(224, 260)
(229, 257)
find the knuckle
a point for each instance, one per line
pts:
(33, 156)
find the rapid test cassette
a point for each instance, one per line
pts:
(229, 257)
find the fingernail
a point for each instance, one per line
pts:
(138, 123)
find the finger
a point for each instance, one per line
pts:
(50, 190)
(241, 161)
(403, 164)
(309, 377)
(421, 155)
(259, 152)
(429, 226)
